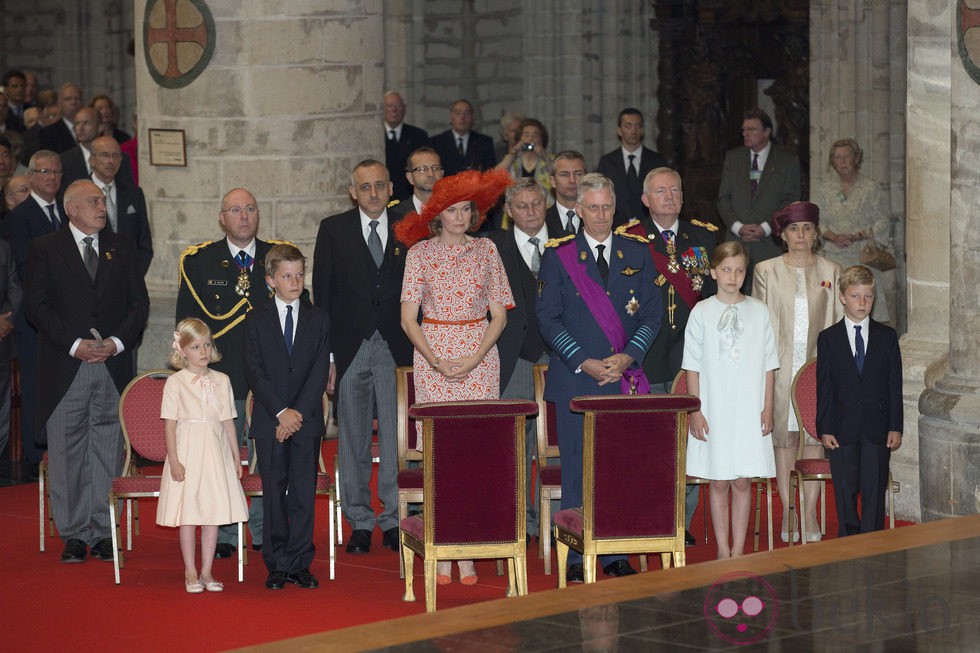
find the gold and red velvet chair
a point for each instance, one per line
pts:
(804, 396)
(474, 490)
(680, 387)
(549, 473)
(252, 484)
(633, 480)
(143, 434)
(409, 457)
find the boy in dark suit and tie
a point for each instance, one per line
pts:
(859, 403)
(286, 365)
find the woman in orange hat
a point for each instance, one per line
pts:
(456, 280)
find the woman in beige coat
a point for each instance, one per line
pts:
(800, 289)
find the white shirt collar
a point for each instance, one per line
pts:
(592, 242)
(672, 227)
(78, 235)
(638, 153)
(248, 249)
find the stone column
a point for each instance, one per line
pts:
(288, 104)
(949, 429)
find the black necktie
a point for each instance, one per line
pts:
(374, 244)
(459, 146)
(392, 136)
(55, 222)
(668, 236)
(89, 257)
(858, 349)
(754, 173)
(600, 261)
(570, 225)
(631, 170)
(287, 331)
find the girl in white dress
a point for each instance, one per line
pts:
(730, 357)
(200, 484)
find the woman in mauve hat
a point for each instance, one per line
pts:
(456, 280)
(800, 289)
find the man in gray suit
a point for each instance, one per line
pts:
(758, 179)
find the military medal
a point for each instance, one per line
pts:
(697, 282)
(672, 266)
(632, 306)
(243, 283)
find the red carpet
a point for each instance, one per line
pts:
(49, 606)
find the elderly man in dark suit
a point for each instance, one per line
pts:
(599, 312)
(460, 147)
(39, 214)
(358, 267)
(60, 136)
(125, 203)
(401, 139)
(521, 346)
(757, 180)
(220, 282)
(629, 164)
(89, 303)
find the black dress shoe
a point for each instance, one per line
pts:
(575, 573)
(619, 568)
(390, 539)
(360, 542)
(276, 580)
(689, 539)
(103, 550)
(257, 547)
(303, 578)
(74, 551)
(223, 551)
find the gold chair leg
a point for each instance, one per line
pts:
(643, 562)
(408, 563)
(430, 583)
(680, 558)
(758, 510)
(500, 567)
(588, 567)
(402, 514)
(706, 509)
(801, 483)
(793, 485)
(562, 551)
(769, 509)
(520, 570)
(544, 528)
(665, 560)
(511, 578)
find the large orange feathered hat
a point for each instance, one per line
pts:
(483, 188)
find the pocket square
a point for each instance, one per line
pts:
(130, 210)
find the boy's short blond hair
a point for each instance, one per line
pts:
(856, 275)
(280, 253)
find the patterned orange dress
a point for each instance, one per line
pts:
(454, 284)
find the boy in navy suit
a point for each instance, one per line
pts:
(859, 404)
(286, 365)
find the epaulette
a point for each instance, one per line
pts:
(705, 225)
(280, 242)
(390, 204)
(193, 249)
(621, 230)
(555, 242)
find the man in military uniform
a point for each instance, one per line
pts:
(599, 311)
(221, 281)
(681, 252)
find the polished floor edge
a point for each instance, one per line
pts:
(502, 611)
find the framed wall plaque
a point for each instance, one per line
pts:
(167, 147)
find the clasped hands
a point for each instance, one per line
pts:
(608, 370)
(751, 233)
(290, 421)
(95, 351)
(457, 369)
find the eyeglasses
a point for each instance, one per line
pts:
(109, 155)
(424, 169)
(47, 172)
(237, 211)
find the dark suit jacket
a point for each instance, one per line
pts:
(567, 324)
(14, 122)
(64, 303)
(73, 166)
(360, 298)
(57, 138)
(521, 337)
(133, 221)
(279, 380)
(11, 294)
(629, 204)
(26, 222)
(207, 291)
(479, 152)
(853, 406)
(778, 186)
(556, 223)
(396, 157)
(663, 360)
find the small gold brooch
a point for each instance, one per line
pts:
(632, 306)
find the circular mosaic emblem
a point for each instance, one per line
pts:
(968, 36)
(178, 40)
